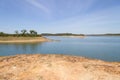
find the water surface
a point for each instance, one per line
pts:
(105, 48)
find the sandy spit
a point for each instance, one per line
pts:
(23, 39)
(74, 36)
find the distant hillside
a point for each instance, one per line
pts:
(109, 34)
(61, 34)
(71, 34)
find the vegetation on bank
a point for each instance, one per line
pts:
(33, 33)
(22, 33)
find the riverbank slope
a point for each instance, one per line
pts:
(56, 67)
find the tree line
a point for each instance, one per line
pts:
(22, 33)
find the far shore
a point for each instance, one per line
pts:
(23, 39)
(74, 36)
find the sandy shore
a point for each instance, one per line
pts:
(56, 67)
(74, 36)
(22, 39)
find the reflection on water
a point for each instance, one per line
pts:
(27, 46)
(19, 48)
(105, 48)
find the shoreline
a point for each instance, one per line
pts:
(23, 39)
(74, 36)
(57, 67)
(67, 55)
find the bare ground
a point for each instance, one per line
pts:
(22, 39)
(56, 67)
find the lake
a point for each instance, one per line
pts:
(104, 48)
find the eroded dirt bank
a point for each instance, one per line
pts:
(56, 67)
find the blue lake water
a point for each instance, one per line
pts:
(104, 48)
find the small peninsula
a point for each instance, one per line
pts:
(23, 37)
(69, 35)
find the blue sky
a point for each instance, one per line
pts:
(57, 16)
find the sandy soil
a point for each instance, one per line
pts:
(56, 67)
(22, 39)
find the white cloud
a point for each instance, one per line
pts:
(39, 5)
(107, 20)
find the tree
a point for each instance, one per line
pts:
(23, 32)
(1, 33)
(16, 32)
(33, 32)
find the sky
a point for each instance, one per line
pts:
(60, 16)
